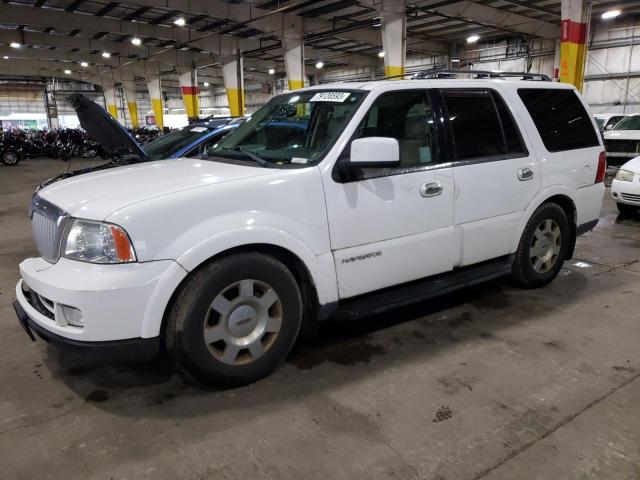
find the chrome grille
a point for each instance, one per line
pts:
(47, 225)
(629, 197)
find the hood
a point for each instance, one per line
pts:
(633, 165)
(96, 195)
(622, 135)
(105, 129)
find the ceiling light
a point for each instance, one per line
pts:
(6, 57)
(611, 14)
(68, 72)
(106, 54)
(272, 71)
(381, 54)
(473, 38)
(84, 64)
(136, 41)
(180, 21)
(206, 84)
(15, 45)
(319, 64)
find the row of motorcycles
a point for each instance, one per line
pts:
(63, 143)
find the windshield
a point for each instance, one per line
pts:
(296, 128)
(167, 145)
(628, 123)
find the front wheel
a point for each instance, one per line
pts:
(10, 158)
(625, 209)
(543, 247)
(234, 320)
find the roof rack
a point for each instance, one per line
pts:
(452, 73)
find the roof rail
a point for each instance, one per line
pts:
(452, 73)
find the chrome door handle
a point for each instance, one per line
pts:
(525, 174)
(431, 189)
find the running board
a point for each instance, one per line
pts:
(413, 292)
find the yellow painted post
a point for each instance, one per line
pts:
(573, 48)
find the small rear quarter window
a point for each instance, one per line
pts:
(560, 117)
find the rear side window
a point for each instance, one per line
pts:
(560, 118)
(475, 124)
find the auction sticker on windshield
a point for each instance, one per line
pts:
(330, 97)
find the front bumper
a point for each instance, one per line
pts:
(626, 192)
(87, 303)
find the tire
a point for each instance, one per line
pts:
(10, 158)
(625, 209)
(548, 234)
(247, 337)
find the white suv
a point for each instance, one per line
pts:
(339, 199)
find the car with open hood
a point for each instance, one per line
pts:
(340, 200)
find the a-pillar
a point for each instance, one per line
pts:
(189, 86)
(129, 88)
(293, 46)
(152, 76)
(573, 49)
(393, 17)
(232, 74)
(109, 91)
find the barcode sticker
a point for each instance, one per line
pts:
(330, 97)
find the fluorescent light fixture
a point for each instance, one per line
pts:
(473, 38)
(319, 64)
(84, 64)
(68, 72)
(136, 41)
(106, 54)
(272, 71)
(381, 54)
(180, 21)
(206, 84)
(6, 57)
(15, 45)
(611, 14)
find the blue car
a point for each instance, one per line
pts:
(191, 141)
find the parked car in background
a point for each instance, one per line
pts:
(623, 141)
(606, 121)
(340, 199)
(625, 187)
(10, 149)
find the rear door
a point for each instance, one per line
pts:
(495, 175)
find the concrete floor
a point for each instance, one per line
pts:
(489, 383)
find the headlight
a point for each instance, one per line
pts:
(624, 175)
(97, 242)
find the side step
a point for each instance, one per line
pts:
(413, 292)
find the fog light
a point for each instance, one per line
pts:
(72, 316)
(615, 194)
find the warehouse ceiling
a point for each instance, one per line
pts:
(60, 34)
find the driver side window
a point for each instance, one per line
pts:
(407, 116)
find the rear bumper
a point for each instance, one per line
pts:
(133, 349)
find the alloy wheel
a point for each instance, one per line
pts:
(545, 246)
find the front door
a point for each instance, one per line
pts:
(393, 225)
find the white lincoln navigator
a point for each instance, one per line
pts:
(338, 199)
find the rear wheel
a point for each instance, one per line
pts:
(625, 209)
(10, 158)
(543, 247)
(234, 320)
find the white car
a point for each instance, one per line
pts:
(623, 142)
(606, 121)
(333, 200)
(625, 187)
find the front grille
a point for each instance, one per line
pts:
(47, 225)
(622, 146)
(629, 197)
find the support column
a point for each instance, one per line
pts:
(232, 75)
(293, 46)
(109, 90)
(556, 62)
(51, 106)
(189, 86)
(129, 88)
(152, 76)
(572, 47)
(393, 17)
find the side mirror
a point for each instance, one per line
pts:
(375, 152)
(609, 127)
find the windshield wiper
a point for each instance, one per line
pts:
(249, 154)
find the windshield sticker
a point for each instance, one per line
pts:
(298, 160)
(330, 97)
(198, 129)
